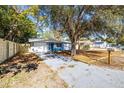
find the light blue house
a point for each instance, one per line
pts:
(40, 45)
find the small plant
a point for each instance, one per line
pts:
(86, 47)
(3, 70)
(65, 85)
(46, 86)
(71, 66)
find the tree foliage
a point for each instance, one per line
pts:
(15, 24)
(113, 17)
(83, 21)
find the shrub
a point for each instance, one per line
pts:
(85, 47)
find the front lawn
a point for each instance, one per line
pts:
(99, 58)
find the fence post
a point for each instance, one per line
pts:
(7, 49)
(109, 57)
(13, 48)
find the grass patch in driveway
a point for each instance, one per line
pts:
(71, 66)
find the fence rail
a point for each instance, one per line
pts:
(8, 49)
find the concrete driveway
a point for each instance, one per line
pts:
(79, 75)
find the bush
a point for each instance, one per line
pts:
(86, 47)
(24, 48)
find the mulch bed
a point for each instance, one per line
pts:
(20, 62)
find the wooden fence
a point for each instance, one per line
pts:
(8, 49)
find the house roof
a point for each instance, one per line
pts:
(34, 39)
(41, 40)
(100, 42)
(86, 42)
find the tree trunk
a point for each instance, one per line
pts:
(73, 49)
(78, 45)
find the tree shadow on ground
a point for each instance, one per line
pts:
(81, 52)
(63, 53)
(19, 63)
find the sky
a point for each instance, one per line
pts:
(25, 7)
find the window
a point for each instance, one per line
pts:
(58, 45)
(32, 43)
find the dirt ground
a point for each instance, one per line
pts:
(99, 58)
(28, 70)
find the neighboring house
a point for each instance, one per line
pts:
(81, 44)
(40, 45)
(100, 44)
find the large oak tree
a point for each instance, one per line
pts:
(75, 21)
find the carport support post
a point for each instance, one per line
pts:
(109, 57)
